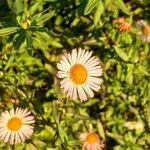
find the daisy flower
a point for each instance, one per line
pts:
(91, 141)
(16, 125)
(145, 31)
(122, 24)
(79, 72)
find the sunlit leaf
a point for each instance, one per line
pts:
(90, 6)
(8, 31)
(120, 4)
(98, 12)
(121, 53)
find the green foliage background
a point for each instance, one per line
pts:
(33, 36)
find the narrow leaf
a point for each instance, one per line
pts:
(29, 42)
(121, 53)
(8, 31)
(129, 76)
(100, 129)
(19, 6)
(90, 6)
(98, 12)
(120, 5)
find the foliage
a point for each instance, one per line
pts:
(33, 36)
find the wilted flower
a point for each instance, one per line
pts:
(91, 141)
(16, 125)
(122, 24)
(145, 31)
(80, 72)
(131, 125)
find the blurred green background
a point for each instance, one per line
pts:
(33, 36)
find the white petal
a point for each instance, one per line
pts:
(75, 93)
(84, 58)
(95, 72)
(95, 80)
(64, 81)
(88, 91)
(82, 94)
(93, 86)
(12, 137)
(74, 56)
(7, 137)
(70, 59)
(61, 74)
(80, 55)
(64, 58)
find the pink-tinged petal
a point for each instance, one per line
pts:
(64, 58)
(84, 57)
(80, 55)
(95, 68)
(93, 86)
(88, 91)
(61, 74)
(81, 94)
(66, 87)
(87, 58)
(95, 73)
(75, 93)
(12, 137)
(6, 139)
(98, 81)
(64, 64)
(90, 60)
(69, 59)
(64, 81)
(70, 91)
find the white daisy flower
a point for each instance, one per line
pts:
(16, 125)
(80, 72)
(144, 30)
(91, 141)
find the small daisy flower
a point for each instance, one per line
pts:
(145, 31)
(91, 141)
(79, 72)
(16, 125)
(122, 24)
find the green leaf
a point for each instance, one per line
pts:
(41, 18)
(9, 62)
(35, 7)
(120, 5)
(19, 40)
(100, 129)
(90, 6)
(29, 42)
(62, 133)
(8, 31)
(98, 12)
(19, 6)
(121, 53)
(119, 70)
(143, 70)
(129, 76)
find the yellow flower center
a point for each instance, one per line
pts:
(78, 74)
(92, 138)
(14, 124)
(146, 30)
